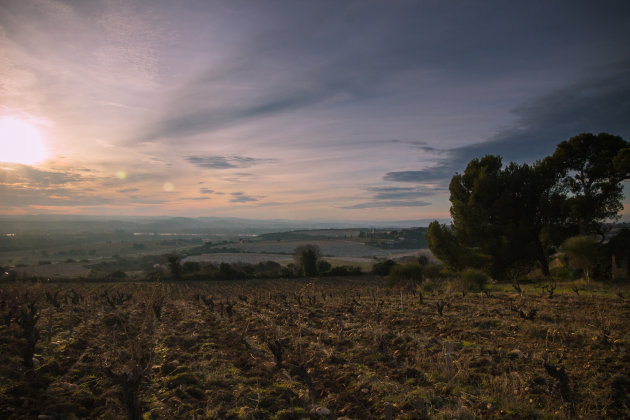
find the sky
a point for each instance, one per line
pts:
(302, 110)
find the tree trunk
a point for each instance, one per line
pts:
(542, 259)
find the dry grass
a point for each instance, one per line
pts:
(216, 360)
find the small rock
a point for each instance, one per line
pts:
(322, 411)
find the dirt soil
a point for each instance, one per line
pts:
(313, 348)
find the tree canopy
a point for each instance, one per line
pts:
(507, 217)
(306, 258)
(591, 168)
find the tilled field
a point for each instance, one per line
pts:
(318, 348)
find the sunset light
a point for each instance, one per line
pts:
(324, 209)
(329, 110)
(21, 141)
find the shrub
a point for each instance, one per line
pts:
(117, 275)
(287, 272)
(191, 267)
(269, 269)
(268, 266)
(383, 268)
(423, 260)
(561, 273)
(175, 266)
(406, 275)
(472, 279)
(581, 251)
(323, 266)
(432, 271)
(435, 284)
(293, 270)
(341, 270)
(227, 272)
(345, 270)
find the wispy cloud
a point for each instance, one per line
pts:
(26, 187)
(35, 177)
(226, 162)
(128, 190)
(240, 177)
(439, 172)
(386, 204)
(387, 197)
(240, 197)
(399, 193)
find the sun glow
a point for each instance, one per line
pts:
(21, 141)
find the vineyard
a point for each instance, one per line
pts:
(313, 348)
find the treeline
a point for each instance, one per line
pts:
(412, 238)
(308, 262)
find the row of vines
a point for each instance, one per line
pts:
(318, 348)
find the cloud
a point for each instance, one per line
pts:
(240, 177)
(128, 40)
(402, 193)
(239, 197)
(24, 186)
(434, 173)
(384, 197)
(196, 113)
(36, 178)
(13, 197)
(128, 190)
(225, 162)
(300, 58)
(597, 104)
(387, 204)
(410, 142)
(206, 191)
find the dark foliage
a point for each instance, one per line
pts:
(509, 217)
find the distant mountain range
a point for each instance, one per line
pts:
(106, 224)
